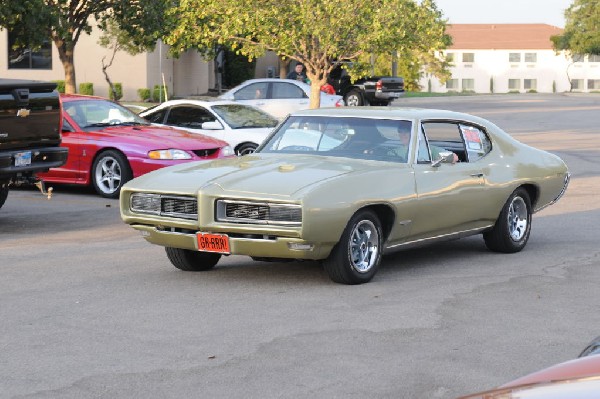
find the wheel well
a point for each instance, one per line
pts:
(386, 216)
(533, 192)
(240, 145)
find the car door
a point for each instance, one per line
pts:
(255, 94)
(73, 138)
(451, 196)
(191, 117)
(287, 97)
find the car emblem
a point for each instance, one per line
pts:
(23, 112)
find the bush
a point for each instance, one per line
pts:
(118, 89)
(86, 88)
(158, 94)
(237, 69)
(144, 94)
(60, 86)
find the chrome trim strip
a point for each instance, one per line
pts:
(464, 233)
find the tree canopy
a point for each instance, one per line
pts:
(318, 33)
(581, 34)
(63, 21)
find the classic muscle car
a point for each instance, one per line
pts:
(344, 186)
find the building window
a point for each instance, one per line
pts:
(468, 57)
(514, 84)
(514, 57)
(577, 84)
(593, 84)
(594, 58)
(450, 57)
(530, 57)
(452, 84)
(530, 84)
(23, 57)
(468, 84)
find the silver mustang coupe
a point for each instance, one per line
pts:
(346, 186)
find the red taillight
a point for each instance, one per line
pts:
(379, 85)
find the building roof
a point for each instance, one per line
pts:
(502, 36)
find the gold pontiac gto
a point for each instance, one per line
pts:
(344, 186)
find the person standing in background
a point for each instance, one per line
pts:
(298, 73)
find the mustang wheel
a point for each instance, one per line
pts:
(356, 258)
(3, 193)
(246, 148)
(192, 261)
(110, 172)
(354, 99)
(511, 231)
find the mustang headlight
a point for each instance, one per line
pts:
(227, 151)
(169, 154)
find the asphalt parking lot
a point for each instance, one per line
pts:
(90, 310)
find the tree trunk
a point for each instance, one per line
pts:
(315, 92)
(66, 55)
(284, 64)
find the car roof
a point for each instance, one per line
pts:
(76, 97)
(391, 112)
(204, 102)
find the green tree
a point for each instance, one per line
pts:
(63, 21)
(318, 33)
(581, 34)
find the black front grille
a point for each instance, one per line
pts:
(208, 153)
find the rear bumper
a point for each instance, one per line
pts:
(388, 95)
(42, 159)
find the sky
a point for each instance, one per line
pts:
(505, 11)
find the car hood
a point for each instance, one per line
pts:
(160, 137)
(272, 175)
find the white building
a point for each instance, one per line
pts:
(502, 58)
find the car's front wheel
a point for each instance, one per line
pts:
(511, 231)
(356, 258)
(246, 148)
(110, 172)
(192, 261)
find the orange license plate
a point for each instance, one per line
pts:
(213, 243)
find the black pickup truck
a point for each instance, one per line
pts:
(373, 90)
(30, 132)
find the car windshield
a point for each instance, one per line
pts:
(239, 116)
(361, 138)
(98, 113)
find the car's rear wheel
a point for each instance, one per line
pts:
(511, 231)
(246, 148)
(356, 258)
(110, 172)
(192, 261)
(354, 99)
(3, 193)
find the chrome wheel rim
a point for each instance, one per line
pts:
(108, 175)
(517, 219)
(364, 246)
(352, 101)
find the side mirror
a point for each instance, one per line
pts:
(445, 157)
(214, 125)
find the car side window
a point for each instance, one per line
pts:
(191, 117)
(287, 90)
(442, 137)
(477, 142)
(423, 155)
(156, 117)
(252, 91)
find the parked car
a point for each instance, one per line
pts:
(344, 186)
(109, 145)
(242, 126)
(278, 97)
(574, 379)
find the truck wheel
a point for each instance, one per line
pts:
(192, 261)
(354, 99)
(3, 193)
(110, 172)
(356, 257)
